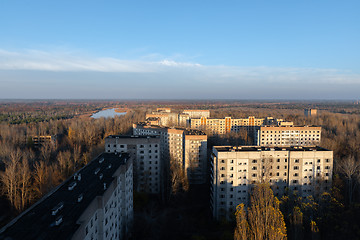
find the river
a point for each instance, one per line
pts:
(107, 113)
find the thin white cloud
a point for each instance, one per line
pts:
(53, 61)
(67, 61)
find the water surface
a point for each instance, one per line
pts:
(107, 113)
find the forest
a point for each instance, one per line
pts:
(28, 171)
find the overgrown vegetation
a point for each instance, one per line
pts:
(29, 171)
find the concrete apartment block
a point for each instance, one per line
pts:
(235, 170)
(185, 146)
(226, 125)
(288, 136)
(145, 152)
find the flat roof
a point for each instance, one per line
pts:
(132, 136)
(37, 222)
(263, 148)
(187, 131)
(280, 126)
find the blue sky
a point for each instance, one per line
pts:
(180, 49)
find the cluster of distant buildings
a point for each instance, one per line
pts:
(97, 201)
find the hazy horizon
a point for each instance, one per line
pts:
(180, 50)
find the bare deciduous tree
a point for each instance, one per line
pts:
(351, 170)
(41, 178)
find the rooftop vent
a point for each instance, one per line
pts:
(104, 186)
(101, 176)
(109, 166)
(101, 160)
(79, 177)
(58, 221)
(72, 186)
(97, 171)
(57, 208)
(80, 197)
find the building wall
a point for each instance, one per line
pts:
(196, 158)
(288, 136)
(197, 113)
(310, 112)
(147, 160)
(234, 172)
(164, 118)
(226, 125)
(174, 146)
(110, 216)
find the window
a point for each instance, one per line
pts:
(296, 167)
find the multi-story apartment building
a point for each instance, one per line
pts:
(310, 112)
(288, 136)
(41, 140)
(95, 203)
(145, 152)
(226, 125)
(187, 147)
(164, 110)
(164, 117)
(195, 113)
(306, 170)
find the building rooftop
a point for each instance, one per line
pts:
(132, 136)
(292, 126)
(196, 110)
(261, 148)
(187, 131)
(55, 216)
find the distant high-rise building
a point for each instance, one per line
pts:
(235, 170)
(310, 112)
(187, 147)
(288, 136)
(95, 203)
(195, 113)
(226, 125)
